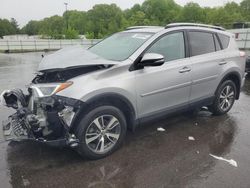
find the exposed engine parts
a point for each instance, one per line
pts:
(14, 128)
(45, 119)
(62, 75)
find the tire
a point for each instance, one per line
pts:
(96, 129)
(224, 99)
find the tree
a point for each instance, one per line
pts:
(7, 28)
(245, 7)
(52, 26)
(32, 27)
(160, 12)
(71, 34)
(192, 12)
(77, 20)
(104, 19)
(14, 24)
(139, 18)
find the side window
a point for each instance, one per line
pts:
(224, 40)
(171, 46)
(217, 44)
(201, 43)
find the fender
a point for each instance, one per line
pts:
(114, 99)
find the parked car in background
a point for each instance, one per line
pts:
(88, 99)
(248, 64)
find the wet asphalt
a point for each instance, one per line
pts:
(148, 158)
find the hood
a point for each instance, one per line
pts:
(72, 57)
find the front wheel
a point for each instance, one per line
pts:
(101, 132)
(224, 98)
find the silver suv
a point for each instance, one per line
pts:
(87, 99)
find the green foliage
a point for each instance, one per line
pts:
(160, 12)
(90, 35)
(8, 27)
(103, 19)
(245, 7)
(32, 28)
(192, 12)
(71, 34)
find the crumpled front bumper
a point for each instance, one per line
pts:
(47, 119)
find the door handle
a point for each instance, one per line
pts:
(223, 62)
(185, 69)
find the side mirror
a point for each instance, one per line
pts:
(152, 59)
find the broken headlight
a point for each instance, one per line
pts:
(50, 89)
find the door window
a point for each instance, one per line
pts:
(201, 43)
(171, 46)
(224, 40)
(217, 44)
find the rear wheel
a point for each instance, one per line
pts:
(101, 132)
(224, 98)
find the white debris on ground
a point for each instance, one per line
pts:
(231, 161)
(160, 129)
(197, 152)
(204, 108)
(25, 182)
(191, 138)
(196, 124)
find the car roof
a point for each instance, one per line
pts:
(145, 29)
(157, 29)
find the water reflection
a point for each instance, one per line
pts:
(223, 136)
(149, 158)
(104, 177)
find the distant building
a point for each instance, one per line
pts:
(82, 37)
(16, 37)
(35, 37)
(22, 37)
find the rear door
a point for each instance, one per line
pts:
(206, 64)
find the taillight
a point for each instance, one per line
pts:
(236, 35)
(242, 54)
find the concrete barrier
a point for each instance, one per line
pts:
(41, 44)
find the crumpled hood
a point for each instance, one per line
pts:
(72, 57)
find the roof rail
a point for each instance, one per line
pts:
(141, 27)
(194, 25)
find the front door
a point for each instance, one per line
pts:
(167, 86)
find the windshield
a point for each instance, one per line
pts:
(120, 46)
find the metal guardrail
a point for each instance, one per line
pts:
(42, 44)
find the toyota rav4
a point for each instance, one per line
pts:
(88, 99)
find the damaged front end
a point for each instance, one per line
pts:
(40, 115)
(43, 115)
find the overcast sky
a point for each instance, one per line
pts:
(26, 10)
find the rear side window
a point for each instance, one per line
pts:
(224, 40)
(201, 43)
(217, 44)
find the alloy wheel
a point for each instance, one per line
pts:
(227, 98)
(102, 134)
